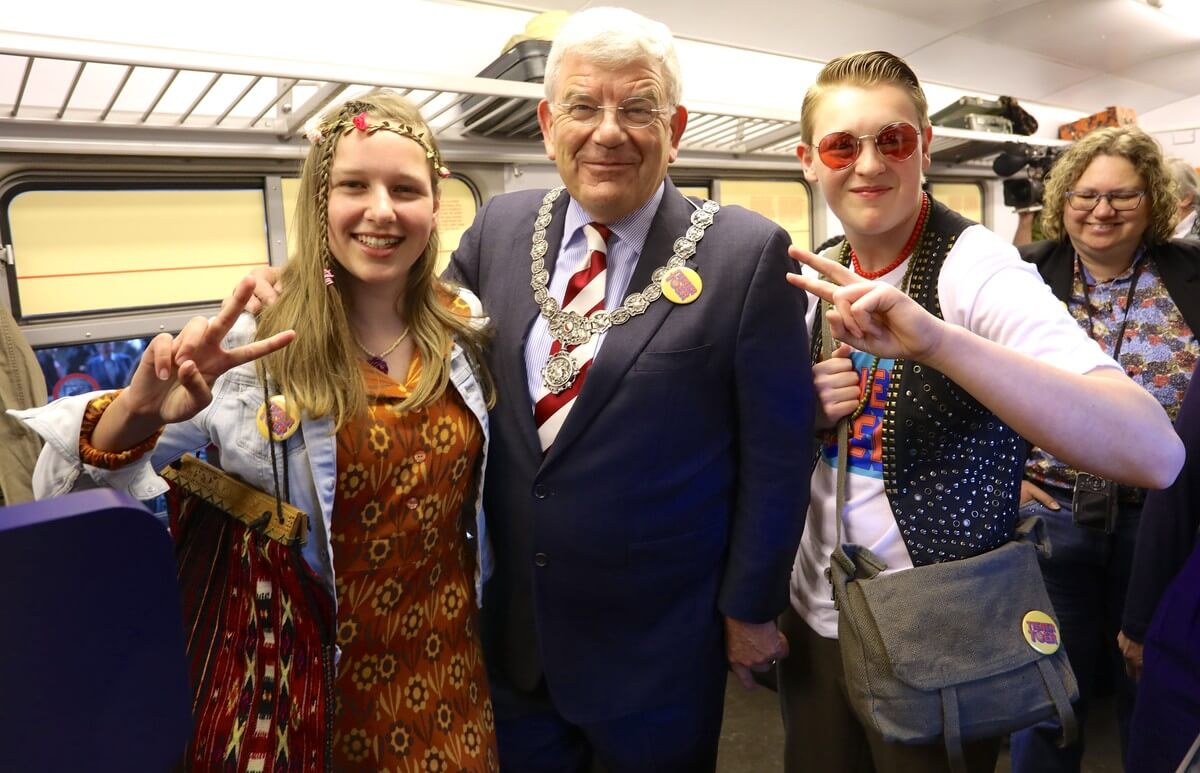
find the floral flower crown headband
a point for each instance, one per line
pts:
(317, 134)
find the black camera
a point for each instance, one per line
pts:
(1025, 192)
(1094, 503)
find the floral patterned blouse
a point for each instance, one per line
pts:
(411, 691)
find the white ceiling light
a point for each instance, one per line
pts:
(1183, 10)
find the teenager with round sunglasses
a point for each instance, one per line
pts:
(949, 349)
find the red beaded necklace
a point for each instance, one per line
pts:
(904, 252)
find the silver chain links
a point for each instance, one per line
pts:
(572, 328)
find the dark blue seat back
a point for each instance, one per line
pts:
(92, 668)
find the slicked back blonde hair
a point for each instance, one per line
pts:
(319, 371)
(864, 70)
(1139, 149)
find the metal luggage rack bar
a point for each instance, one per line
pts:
(63, 95)
(109, 96)
(112, 98)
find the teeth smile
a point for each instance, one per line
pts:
(377, 242)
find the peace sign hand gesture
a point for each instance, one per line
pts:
(174, 379)
(871, 316)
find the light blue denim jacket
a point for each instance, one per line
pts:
(229, 423)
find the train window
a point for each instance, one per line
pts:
(460, 201)
(965, 198)
(784, 201)
(698, 191)
(290, 188)
(88, 250)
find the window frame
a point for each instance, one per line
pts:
(979, 183)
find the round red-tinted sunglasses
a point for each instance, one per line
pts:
(896, 141)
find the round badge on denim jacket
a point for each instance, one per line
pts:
(1041, 632)
(284, 419)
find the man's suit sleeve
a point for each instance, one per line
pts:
(774, 415)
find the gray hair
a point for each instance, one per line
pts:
(613, 37)
(1187, 180)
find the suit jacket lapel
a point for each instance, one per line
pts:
(513, 385)
(624, 343)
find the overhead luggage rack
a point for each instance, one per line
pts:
(63, 95)
(71, 96)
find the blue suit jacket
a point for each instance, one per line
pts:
(676, 490)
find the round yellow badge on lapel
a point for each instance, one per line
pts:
(1040, 630)
(283, 418)
(681, 285)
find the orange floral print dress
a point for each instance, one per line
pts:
(411, 690)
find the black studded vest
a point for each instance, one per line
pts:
(951, 469)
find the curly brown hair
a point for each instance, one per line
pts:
(1127, 142)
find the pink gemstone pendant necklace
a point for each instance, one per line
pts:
(377, 361)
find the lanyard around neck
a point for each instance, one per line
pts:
(1087, 303)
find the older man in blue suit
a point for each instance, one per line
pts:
(649, 471)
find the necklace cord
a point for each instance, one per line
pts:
(913, 243)
(386, 351)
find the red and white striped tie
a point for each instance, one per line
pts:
(584, 294)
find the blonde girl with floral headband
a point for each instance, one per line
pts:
(338, 630)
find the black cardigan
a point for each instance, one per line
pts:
(1178, 263)
(1169, 529)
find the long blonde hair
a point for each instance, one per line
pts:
(319, 371)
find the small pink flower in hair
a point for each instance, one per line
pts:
(443, 172)
(312, 130)
(328, 277)
(360, 122)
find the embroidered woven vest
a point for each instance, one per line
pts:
(951, 468)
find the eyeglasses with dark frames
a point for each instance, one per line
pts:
(1122, 201)
(896, 141)
(632, 113)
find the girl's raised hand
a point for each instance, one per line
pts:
(173, 381)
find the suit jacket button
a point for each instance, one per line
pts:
(539, 559)
(540, 491)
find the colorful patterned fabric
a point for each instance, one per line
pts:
(259, 645)
(1159, 353)
(411, 689)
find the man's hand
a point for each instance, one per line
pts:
(1031, 492)
(836, 384)
(1132, 651)
(752, 647)
(267, 287)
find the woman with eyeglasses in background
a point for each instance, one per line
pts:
(1109, 210)
(951, 349)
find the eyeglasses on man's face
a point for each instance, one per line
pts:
(632, 113)
(896, 141)
(1122, 201)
